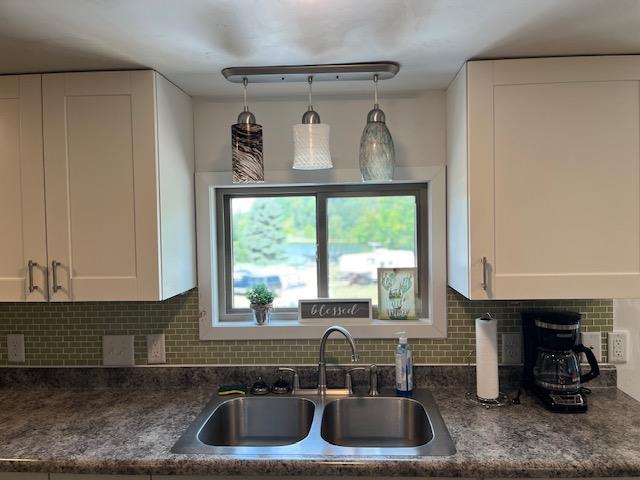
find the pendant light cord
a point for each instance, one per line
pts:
(375, 89)
(244, 91)
(310, 81)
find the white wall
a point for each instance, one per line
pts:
(626, 316)
(416, 121)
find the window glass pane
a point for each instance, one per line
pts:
(365, 233)
(274, 242)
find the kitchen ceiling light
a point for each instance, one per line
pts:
(311, 140)
(377, 154)
(300, 73)
(246, 146)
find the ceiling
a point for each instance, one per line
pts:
(190, 41)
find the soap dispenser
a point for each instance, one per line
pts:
(404, 366)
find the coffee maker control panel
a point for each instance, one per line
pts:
(560, 399)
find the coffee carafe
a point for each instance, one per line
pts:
(552, 360)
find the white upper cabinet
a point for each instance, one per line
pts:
(118, 177)
(544, 178)
(118, 151)
(23, 256)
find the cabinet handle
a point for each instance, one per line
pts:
(30, 266)
(484, 273)
(55, 287)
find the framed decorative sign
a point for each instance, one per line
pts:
(335, 310)
(397, 289)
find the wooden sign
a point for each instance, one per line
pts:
(334, 310)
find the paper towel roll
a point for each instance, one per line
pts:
(487, 358)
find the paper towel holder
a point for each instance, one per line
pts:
(502, 400)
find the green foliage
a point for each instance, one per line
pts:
(260, 295)
(239, 232)
(356, 224)
(385, 221)
(264, 236)
(260, 235)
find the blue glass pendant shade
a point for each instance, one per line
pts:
(377, 154)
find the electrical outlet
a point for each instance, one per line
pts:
(117, 350)
(511, 348)
(618, 346)
(593, 341)
(156, 352)
(15, 348)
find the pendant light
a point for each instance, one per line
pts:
(377, 155)
(246, 146)
(311, 140)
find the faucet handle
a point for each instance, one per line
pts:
(348, 383)
(296, 378)
(373, 380)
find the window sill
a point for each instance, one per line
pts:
(288, 329)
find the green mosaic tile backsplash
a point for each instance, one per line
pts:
(68, 334)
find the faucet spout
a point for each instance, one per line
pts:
(322, 366)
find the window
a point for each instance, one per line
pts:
(315, 242)
(328, 197)
(272, 240)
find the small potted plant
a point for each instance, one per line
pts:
(261, 303)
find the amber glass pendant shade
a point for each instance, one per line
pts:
(246, 147)
(246, 153)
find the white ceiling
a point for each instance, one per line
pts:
(190, 41)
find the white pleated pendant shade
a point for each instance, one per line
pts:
(311, 146)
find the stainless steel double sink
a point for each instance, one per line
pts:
(319, 425)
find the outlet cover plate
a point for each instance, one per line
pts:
(156, 352)
(511, 348)
(15, 348)
(618, 346)
(592, 340)
(117, 350)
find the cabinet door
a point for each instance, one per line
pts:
(99, 151)
(22, 207)
(566, 177)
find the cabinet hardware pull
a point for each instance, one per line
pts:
(484, 273)
(32, 287)
(54, 271)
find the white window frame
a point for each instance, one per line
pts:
(211, 328)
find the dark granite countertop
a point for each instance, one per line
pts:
(131, 431)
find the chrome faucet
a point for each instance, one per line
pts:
(322, 366)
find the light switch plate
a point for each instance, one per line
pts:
(15, 348)
(117, 350)
(511, 348)
(156, 352)
(592, 340)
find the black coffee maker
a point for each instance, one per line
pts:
(552, 360)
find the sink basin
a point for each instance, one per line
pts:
(319, 426)
(384, 422)
(258, 421)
